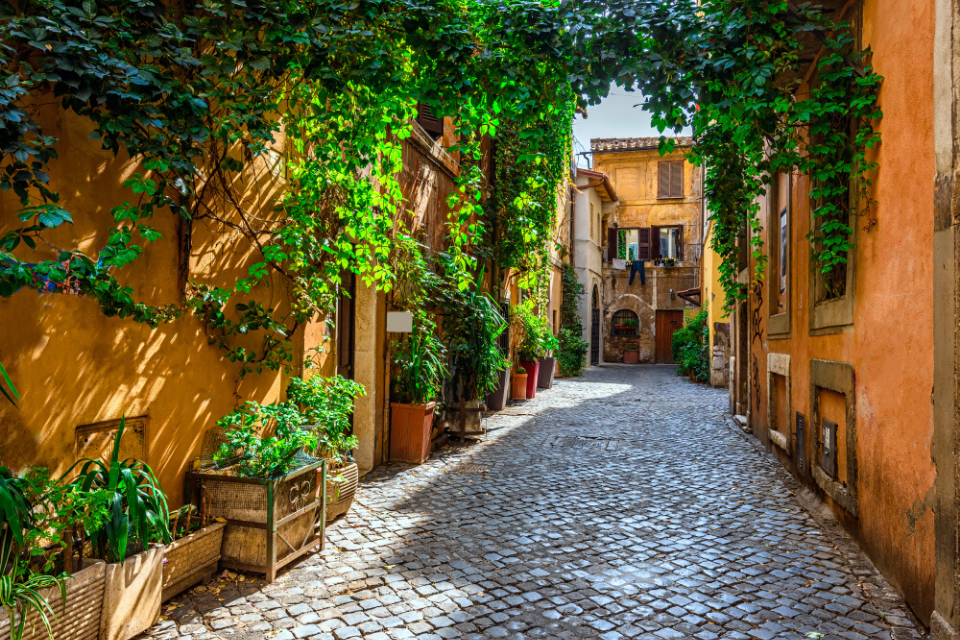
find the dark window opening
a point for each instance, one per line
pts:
(430, 123)
(625, 324)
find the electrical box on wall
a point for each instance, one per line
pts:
(829, 451)
(399, 322)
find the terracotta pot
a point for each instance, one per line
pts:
(341, 489)
(518, 386)
(80, 618)
(497, 399)
(548, 367)
(191, 559)
(132, 595)
(533, 372)
(410, 427)
(631, 357)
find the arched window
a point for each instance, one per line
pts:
(625, 324)
(596, 297)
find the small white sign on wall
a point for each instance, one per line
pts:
(399, 321)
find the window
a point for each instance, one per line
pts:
(783, 252)
(593, 229)
(625, 324)
(430, 123)
(779, 214)
(670, 179)
(647, 243)
(670, 242)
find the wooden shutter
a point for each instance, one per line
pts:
(644, 241)
(654, 243)
(676, 179)
(612, 243)
(663, 178)
(429, 122)
(680, 243)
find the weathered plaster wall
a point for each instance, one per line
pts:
(890, 343)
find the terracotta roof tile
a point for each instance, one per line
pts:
(620, 144)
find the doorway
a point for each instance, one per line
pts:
(345, 324)
(668, 321)
(595, 327)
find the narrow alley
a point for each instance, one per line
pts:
(623, 504)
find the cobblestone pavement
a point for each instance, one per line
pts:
(622, 504)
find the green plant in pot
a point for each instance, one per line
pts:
(327, 406)
(420, 373)
(472, 324)
(262, 440)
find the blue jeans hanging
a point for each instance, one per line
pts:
(637, 267)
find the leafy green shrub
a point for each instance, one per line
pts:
(138, 511)
(537, 339)
(327, 403)
(421, 367)
(263, 456)
(572, 351)
(690, 347)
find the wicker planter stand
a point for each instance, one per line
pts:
(340, 494)
(191, 559)
(79, 619)
(270, 523)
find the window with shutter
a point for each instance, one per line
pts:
(644, 242)
(430, 123)
(611, 244)
(670, 179)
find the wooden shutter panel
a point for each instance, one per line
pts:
(644, 236)
(611, 243)
(654, 243)
(676, 179)
(663, 178)
(680, 243)
(429, 122)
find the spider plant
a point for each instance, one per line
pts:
(137, 505)
(20, 587)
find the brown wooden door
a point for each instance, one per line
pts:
(667, 323)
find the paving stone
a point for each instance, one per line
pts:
(620, 504)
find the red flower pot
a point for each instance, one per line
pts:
(533, 372)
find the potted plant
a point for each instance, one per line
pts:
(472, 324)
(264, 484)
(421, 371)
(518, 390)
(327, 405)
(130, 540)
(531, 347)
(548, 364)
(194, 554)
(631, 355)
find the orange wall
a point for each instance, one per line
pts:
(891, 341)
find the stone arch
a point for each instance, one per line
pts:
(644, 311)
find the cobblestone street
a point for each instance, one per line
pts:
(623, 504)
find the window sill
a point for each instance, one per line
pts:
(671, 197)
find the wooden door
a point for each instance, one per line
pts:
(667, 323)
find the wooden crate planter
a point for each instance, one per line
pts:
(270, 523)
(79, 619)
(191, 559)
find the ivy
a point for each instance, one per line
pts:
(277, 126)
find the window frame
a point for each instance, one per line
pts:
(778, 322)
(613, 324)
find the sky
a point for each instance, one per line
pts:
(614, 117)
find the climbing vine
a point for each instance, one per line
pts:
(277, 127)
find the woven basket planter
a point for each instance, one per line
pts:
(80, 619)
(340, 494)
(270, 523)
(191, 559)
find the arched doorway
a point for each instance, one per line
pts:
(595, 327)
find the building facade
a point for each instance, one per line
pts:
(651, 246)
(837, 383)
